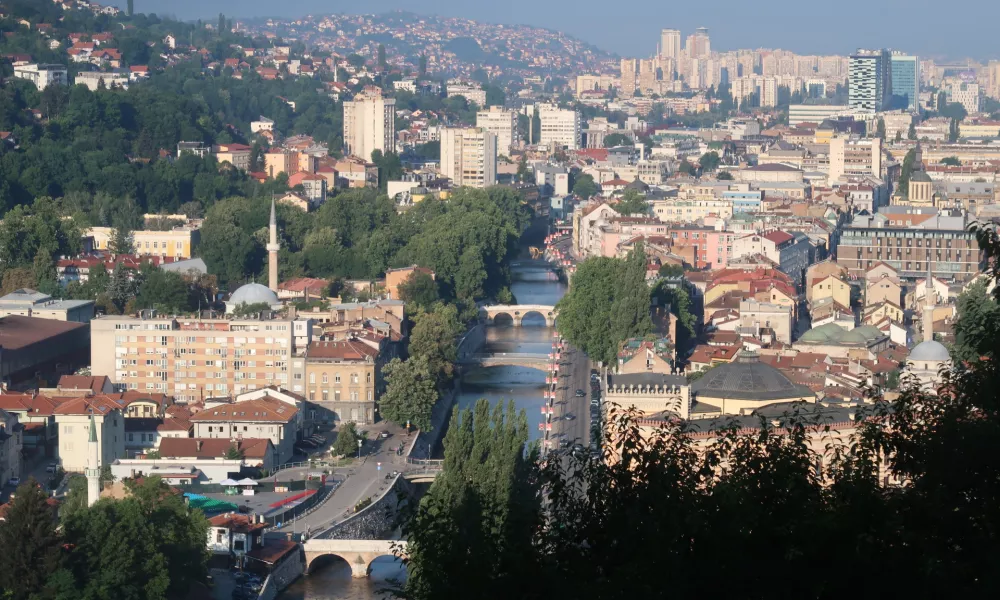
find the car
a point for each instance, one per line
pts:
(580, 393)
(14, 481)
(385, 434)
(569, 417)
(51, 467)
(563, 443)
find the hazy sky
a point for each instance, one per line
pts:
(954, 29)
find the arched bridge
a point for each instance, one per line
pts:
(358, 553)
(513, 359)
(422, 470)
(517, 312)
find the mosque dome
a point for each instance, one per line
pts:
(748, 379)
(252, 293)
(929, 351)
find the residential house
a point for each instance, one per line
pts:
(233, 535)
(260, 418)
(344, 378)
(73, 423)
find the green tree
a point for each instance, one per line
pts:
(724, 176)
(978, 324)
(30, 543)
(483, 500)
(911, 133)
(148, 545)
(419, 291)
(123, 285)
(951, 161)
(616, 139)
(880, 129)
(234, 453)
(410, 394)
(709, 161)
(524, 175)
(905, 171)
(584, 186)
(687, 168)
(422, 68)
(76, 498)
(632, 202)
(607, 303)
(536, 127)
(164, 290)
(346, 443)
(434, 338)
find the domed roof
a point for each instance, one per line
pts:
(831, 333)
(748, 379)
(253, 293)
(930, 351)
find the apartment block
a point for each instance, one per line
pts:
(628, 77)
(369, 124)
(178, 242)
(869, 80)
(469, 156)
(192, 358)
(42, 75)
(855, 157)
(237, 155)
(560, 127)
(502, 123)
(344, 377)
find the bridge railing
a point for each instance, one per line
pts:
(488, 355)
(426, 462)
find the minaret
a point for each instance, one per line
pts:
(272, 253)
(929, 300)
(93, 471)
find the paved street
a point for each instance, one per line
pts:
(360, 479)
(574, 375)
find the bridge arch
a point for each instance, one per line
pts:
(503, 319)
(359, 554)
(517, 312)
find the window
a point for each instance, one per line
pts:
(219, 533)
(326, 379)
(336, 377)
(312, 378)
(354, 377)
(368, 377)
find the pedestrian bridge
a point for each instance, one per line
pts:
(502, 359)
(357, 553)
(517, 312)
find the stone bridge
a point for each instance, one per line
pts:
(358, 553)
(498, 359)
(422, 470)
(517, 312)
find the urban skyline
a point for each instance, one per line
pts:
(783, 24)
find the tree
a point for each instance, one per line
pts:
(410, 394)
(434, 338)
(709, 161)
(419, 290)
(30, 543)
(381, 56)
(422, 68)
(346, 443)
(687, 168)
(607, 303)
(911, 133)
(234, 453)
(163, 290)
(584, 186)
(906, 170)
(632, 202)
(483, 500)
(524, 175)
(248, 310)
(724, 176)
(951, 161)
(616, 139)
(147, 545)
(953, 131)
(222, 23)
(978, 325)
(536, 127)
(880, 129)
(123, 285)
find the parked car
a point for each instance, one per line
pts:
(14, 481)
(385, 434)
(569, 417)
(580, 393)
(51, 467)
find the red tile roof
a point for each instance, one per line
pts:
(261, 410)
(171, 447)
(345, 350)
(778, 237)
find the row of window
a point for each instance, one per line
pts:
(336, 377)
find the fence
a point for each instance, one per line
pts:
(262, 486)
(310, 504)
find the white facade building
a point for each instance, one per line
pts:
(369, 124)
(503, 123)
(560, 127)
(42, 75)
(469, 156)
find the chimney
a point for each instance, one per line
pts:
(198, 445)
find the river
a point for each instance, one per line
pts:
(532, 282)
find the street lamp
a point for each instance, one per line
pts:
(359, 448)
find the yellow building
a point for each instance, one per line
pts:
(178, 242)
(979, 129)
(831, 287)
(345, 378)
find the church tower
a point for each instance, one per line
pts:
(272, 253)
(93, 471)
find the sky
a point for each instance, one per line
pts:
(953, 30)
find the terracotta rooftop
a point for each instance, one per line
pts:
(171, 447)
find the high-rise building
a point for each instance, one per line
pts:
(670, 44)
(993, 79)
(647, 76)
(628, 77)
(194, 358)
(469, 156)
(698, 43)
(560, 127)
(503, 123)
(965, 93)
(869, 80)
(369, 124)
(854, 156)
(905, 81)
